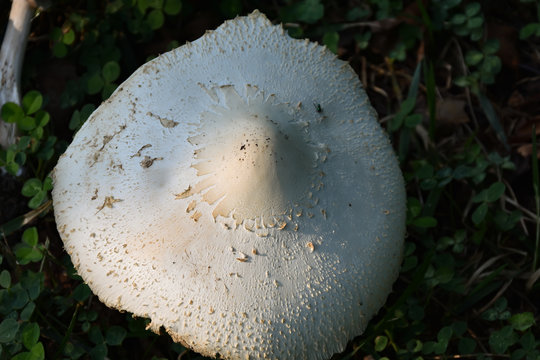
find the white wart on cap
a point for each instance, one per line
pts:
(239, 192)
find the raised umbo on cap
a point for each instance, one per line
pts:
(239, 192)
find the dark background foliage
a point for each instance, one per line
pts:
(456, 85)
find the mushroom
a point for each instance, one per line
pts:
(239, 192)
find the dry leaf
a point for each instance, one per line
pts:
(451, 112)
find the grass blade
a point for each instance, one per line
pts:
(62, 346)
(534, 159)
(492, 118)
(415, 82)
(429, 74)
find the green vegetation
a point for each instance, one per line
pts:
(455, 84)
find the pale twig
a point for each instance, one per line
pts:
(530, 215)
(11, 60)
(535, 276)
(501, 291)
(513, 200)
(468, 356)
(478, 273)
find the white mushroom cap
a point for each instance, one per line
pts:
(239, 192)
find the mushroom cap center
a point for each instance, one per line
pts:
(252, 159)
(258, 169)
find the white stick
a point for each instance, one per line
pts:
(11, 61)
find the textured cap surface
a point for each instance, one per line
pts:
(239, 192)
